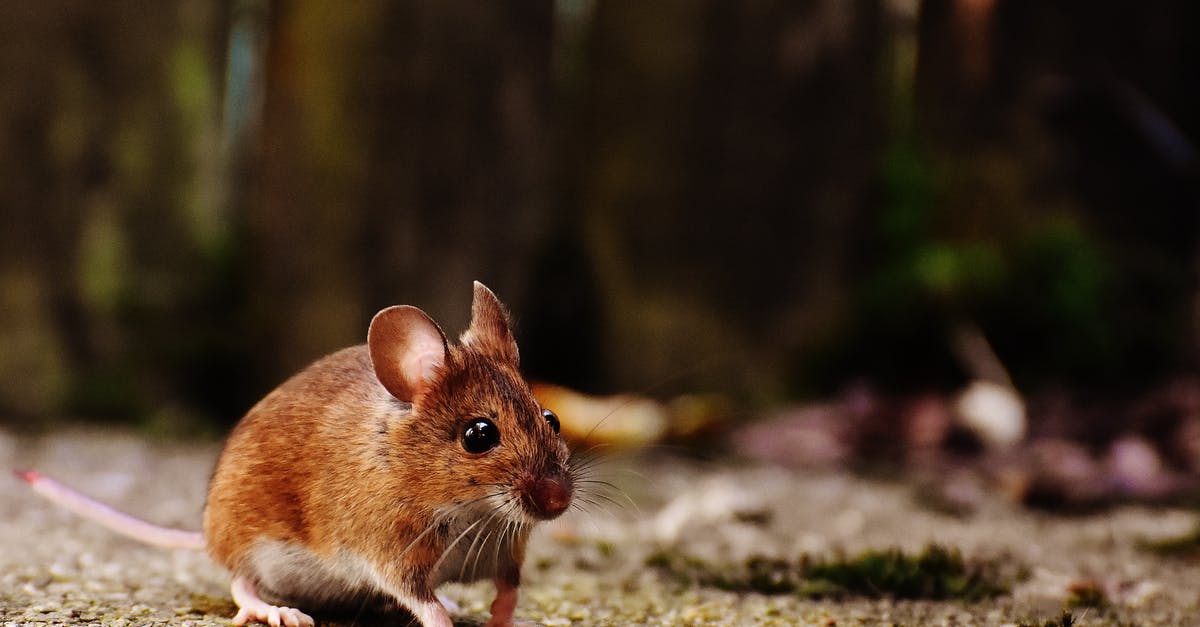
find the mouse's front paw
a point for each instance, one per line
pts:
(274, 616)
(252, 608)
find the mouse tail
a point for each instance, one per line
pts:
(119, 522)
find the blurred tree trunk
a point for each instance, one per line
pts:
(715, 167)
(459, 175)
(108, 122)
(724, 158)
(306, 214)
(404, 158)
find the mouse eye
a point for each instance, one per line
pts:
(480, 436)
(551, 418)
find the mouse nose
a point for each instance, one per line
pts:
(547, 497)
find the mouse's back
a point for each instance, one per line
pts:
(266, 481)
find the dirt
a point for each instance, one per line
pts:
(604, 565)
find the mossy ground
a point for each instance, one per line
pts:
(935, 573)
(708, 544)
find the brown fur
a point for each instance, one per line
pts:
(333, 462)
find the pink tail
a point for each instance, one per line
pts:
(123, 524)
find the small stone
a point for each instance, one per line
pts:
(1134, 466)
(993, 412)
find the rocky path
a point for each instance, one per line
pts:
(682, 554)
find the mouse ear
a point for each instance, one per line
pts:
(490, 332)
(407, 347)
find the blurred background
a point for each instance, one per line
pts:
(772, 203)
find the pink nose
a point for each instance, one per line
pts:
(548, 497)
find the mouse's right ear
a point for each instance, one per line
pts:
(407, 347)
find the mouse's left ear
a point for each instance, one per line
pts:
(407, 348)
(491, 329)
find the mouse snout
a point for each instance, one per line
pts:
(546, 497)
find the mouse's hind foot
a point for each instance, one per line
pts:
(252, 608)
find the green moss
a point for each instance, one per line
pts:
(934, 573)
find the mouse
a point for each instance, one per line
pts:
(376, 474)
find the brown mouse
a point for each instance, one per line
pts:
(377, 474)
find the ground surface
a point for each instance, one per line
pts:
(591, 569)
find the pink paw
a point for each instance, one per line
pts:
(273, 616)
(252, 608)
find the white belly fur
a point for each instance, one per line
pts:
(291, 574)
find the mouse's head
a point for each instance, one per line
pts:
(478, 438)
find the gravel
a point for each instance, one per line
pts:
(590, 567)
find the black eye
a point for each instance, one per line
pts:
(551, 418)
(480, 436)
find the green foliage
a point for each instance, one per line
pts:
(910, 188)
(1064, 262)
(947, 245)
(1059, 300)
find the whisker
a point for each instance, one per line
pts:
(506, 536)
(592, 451)
(503, 539)
(596, 498)
(587, 506)
(605, 507)
(505, 512)
(450, 547)
(639, 475)
(492, 513)
(601, 488)
(432, 525)
(478, 554)
(466, 504)
(598, 482)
